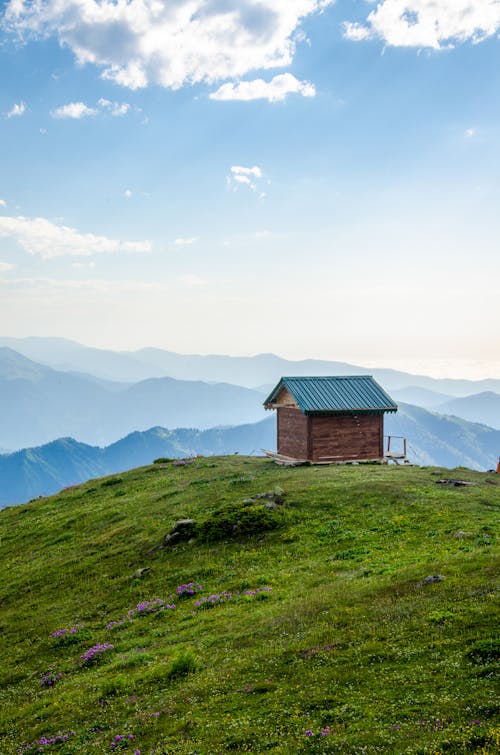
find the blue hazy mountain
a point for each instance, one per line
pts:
(432, 440)
(46, 469)
(481, 407)
(262, 369)
(39, 404)
(420, 396)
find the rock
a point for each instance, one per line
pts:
(171, 538)
(183, 530)
(276, 495)
(184, 527)
(456, 483)
(433, 578)
(140, 572)
(461, 533)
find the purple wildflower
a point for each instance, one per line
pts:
(65, 631)
(188, 590)
(50, 678)
(309, 733)
(95, 652)
(40, 744)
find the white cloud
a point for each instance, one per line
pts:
(241, 175)
(77, 110)
(115, 108)
(18, 109)
(241, 170)
(186, 241)
(3, 203)
(274, 91)
(73, 110)
(127, 194)
(41, 237)
(6, 266)
(428, 23)
(140, 42)
(470, 133)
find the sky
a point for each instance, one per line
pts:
(305, 177)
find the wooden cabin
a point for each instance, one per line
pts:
(330, 419)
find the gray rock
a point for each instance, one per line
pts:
(433, 578)
(276, 495)
(171, 538)
(140, 572)
(183, 530)
(183, 526)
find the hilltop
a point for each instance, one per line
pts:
(351, 610)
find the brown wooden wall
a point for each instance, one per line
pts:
(340, 437)
(292, 433)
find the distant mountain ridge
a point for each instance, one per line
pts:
(39, 404)
(247, 371)
(46, 469)
(432, 440)
(481, 407)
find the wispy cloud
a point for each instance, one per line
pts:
(470, 133)
(275, 90)
(114, 108)
(41, 237)
(77, 110)
(186, 241)
(18, 109)
(428, 23)
(3, 203)
(6, 266)
(128, 194)
(245, 176)
(171, 44)
(73, 110)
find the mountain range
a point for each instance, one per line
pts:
(261, 370)
(39, 404)
(64, 462)
(69, 425)
(26, 474)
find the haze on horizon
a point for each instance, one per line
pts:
(304, 177)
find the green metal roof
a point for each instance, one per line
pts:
(349, 393)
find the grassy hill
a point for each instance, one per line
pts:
(313, 628)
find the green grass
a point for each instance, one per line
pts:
(349, 640)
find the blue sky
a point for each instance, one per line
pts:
(304, 177)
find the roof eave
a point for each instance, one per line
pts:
(377, 410)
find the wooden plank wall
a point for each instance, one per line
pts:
(292, 433)
(346, 436)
